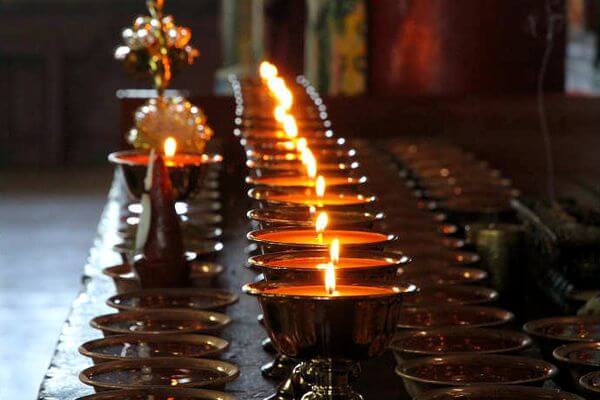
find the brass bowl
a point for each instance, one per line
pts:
(272, 217)
(410, 244)
(322, 155)
(270, 168)
(451, 295)
(552, 332)
(202, 274)
(497, 392)
(424, 318)
(590, 383)
(446, 259)
(271, 240)
(159, 372)
(300, 266)
(160, 322)
(184, 178)
(300, 181)
(576, 360)
(427, 277)
(453, 340)
(200, 247)
(160, 394)
(423, 374)
(335, 199)
(132, 346)
(296, 323)
(174, 298)
(283, 144)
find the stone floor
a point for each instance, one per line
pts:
(47, 225)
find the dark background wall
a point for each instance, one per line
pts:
(465, 69)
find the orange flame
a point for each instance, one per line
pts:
(170, 146)
(334, 254)
(289, 126)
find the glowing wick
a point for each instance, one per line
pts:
(320, 225)
(289, 126)
(170, 146)
(267, 70)
(334, 254)
(320, 186)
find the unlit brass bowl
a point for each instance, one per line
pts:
(184, 178)
(282, 239)
(353, 266)
(576, 360)
(160, 372)
(426, 277)
(174, 393)
(132, 346)
(497, 392)
(200, 247)
(407, 244)
(272, 217)
(190, 232)
(453, 340)
(174, 298)
(202, 274)
(447, 258)
(160, 322)
(552, 332)
(424, 318)
(422, 374)
(451, 295)
(590, 383)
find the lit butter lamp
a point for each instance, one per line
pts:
(271, 217)
(330, 327)
(349, 266)
(160, 261)
(186, 170)
(320, 238)
(317, 197)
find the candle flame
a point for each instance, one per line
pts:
(309, 161)
(334, 251)
(285, 98)
(321, 222)
(267, 70)
(276, 85)
(279, 114)
(301, 144)
(320, 186)
(170, 146)
(289, 126)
